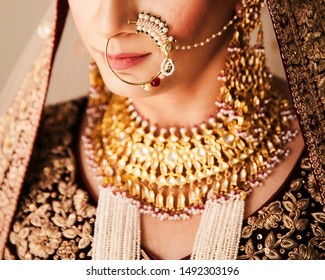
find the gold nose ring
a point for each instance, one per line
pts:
(157, 29)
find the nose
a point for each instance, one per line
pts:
(112, 16)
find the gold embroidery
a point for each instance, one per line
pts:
(56, 218)
(291, 227)
(301, 38)
(18, 129)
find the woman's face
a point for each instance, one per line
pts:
(135, 57)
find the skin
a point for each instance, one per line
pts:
(99, 20)
(186, 98)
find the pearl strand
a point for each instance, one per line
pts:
(99, 247)
(219, 230)
(213, 36)
(209, 39)
(117, 230)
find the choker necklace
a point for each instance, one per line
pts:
(169, 172)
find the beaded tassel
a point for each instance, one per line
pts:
(117, 228)
(219, 231)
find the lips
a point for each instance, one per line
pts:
(126, 60)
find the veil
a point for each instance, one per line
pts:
(38, 79)
(22, 102)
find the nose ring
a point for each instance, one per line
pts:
(157, 29)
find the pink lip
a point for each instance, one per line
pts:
(125, 60)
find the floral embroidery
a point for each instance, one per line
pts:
(304, 253)
(56, 217)
(304, 15)
(44, 241)
(289, 228)
(67, 250)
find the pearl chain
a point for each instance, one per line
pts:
(208, 40)
(157, 29)
(215, 35)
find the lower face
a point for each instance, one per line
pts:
(135, 57)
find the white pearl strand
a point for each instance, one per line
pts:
(117, 229)
(220, 229)
(208, 40)
(215, 35)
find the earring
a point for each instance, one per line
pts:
(157, 29)
(246, 78)
(252, 107)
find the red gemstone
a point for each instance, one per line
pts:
(155, 82)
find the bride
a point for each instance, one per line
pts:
(186, 147)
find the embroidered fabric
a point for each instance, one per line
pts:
(56, 214)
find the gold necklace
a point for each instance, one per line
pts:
(169, 172)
